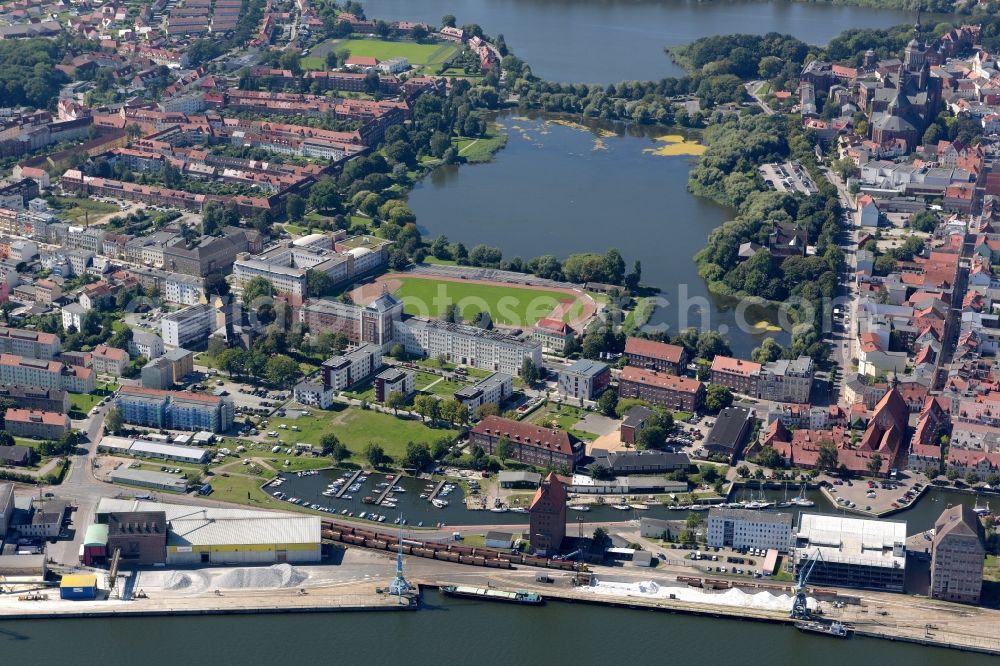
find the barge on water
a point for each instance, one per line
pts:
(490, 594)
(835, 629)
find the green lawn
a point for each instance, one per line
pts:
(356, 428)
(419, 55)
(82, 403)
(444, 389)
(478, 150)
(76, 210)
(512, 306)
(559, 416)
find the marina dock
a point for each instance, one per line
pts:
(437, 489)
(388, 489)
(343, 488)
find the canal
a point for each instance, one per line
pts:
(419, 512)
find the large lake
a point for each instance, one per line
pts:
(558, 189)
(603, 41)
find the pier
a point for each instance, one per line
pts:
(343, 488)
(437, 489)
(388, 489)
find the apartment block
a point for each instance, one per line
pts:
(36, 425)
(661, 389)
(467, 345)
(584, 380)
(313, 394)
(109, 360)
(786, 381)
(739, 375)
(359, 323)
(493, 389)
(529, 443)
(190, 325)
(148, 345)
(43, 374)
(394, 380)
(653, 355)
(174, 410)
(29, 344)
(342, 372)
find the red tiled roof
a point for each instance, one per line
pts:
(735, 366)
(660, 379)
(520, 432)
(30, 415)
(653, 349)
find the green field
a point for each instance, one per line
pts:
(76, 210)
(82, 403)
(419, 55)
(477, 151)
(511, 306)
(357, 428)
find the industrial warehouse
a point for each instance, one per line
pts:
(151, 533)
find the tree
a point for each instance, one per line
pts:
(113, 420)
(828, 455)
(601, 473)
(295, 207)
(487, 409)
(768, 351)
(375, 454)
(712, 344)
(503, 449)
(323, 196)
(717, 398)
(770, 458)
(395, 400)
(651, 437)
(332, 446)
(331, 59)
(257, 287)
(418, 455)
(709, 473)
(448, 21)
(875, 464)
(281, 370)
(972, 478)
(529, 372)
(608, 402)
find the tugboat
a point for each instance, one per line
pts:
(490, 594)
(835, 629)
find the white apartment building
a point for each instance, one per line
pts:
(341, 372)
(72, 315)
(183, 289)
(467, 345)
(493, 389)
(30, 344)
(313, 394)
(744, 528)
(188, 325)
(43, 374)
(145, 344)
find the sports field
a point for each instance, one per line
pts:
(508, 304)
(419, 55)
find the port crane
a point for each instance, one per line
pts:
(400, 587)
(800, 611)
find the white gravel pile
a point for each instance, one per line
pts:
(278, 575)
(186, 581)
(731, 597)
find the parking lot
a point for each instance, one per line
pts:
(876, 496)
(740, 562)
